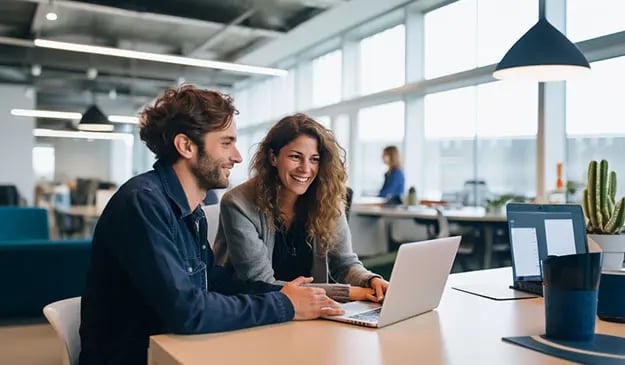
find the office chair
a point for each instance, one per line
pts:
(64, 316)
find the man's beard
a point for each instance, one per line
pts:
(207, 172)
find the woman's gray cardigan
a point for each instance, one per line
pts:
(245, 242)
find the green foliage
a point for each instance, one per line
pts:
(604, 215)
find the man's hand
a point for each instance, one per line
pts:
(309, 302)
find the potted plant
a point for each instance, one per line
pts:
(604, 214)
(496, 206)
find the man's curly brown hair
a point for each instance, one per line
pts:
(324, 201)
(187, 110)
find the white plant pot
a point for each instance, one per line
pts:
(613, 247)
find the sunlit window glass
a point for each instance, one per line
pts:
(500, 24)
(506, 138)
(378, 127)
(449, 142)
(382, 60)
(43, 163)
(283, 95)
(450, 33)
(326, 80)
(594, 120)
(594, 18)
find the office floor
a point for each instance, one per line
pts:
(30, 341)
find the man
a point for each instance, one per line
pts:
(152, 268)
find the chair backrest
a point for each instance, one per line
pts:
(64, 316)
(9, 195)
(443, 224)
(349, 195)
(212, 218)
(22, 223)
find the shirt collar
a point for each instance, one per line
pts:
(172, 187)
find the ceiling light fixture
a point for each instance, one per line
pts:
(39, 132)
(123, 119)
(542, 54)
(51, 16)
(35, 70)
(157, 57)
(93, 120)
(50, 114)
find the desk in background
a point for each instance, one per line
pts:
(369, 232)
(465, 329)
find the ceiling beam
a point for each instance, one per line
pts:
(216, 37)
(170, 19)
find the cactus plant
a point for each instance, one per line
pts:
(604, 215)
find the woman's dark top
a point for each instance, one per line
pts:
(292, 256)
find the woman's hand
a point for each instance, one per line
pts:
(360, 293)
(379, 287)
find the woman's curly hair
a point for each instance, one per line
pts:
(187, 110)
(324, 201)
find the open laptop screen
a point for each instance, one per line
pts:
(539, 230)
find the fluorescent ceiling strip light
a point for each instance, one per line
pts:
(157, 57)
(50, 114)
(45, 114)
(123, 119)
(39, 132)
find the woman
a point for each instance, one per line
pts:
(288, 220)
(394, 179)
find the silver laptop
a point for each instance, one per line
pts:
(417, 283)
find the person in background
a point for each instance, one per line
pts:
(288, 220)
(394, 179)
(152, 270)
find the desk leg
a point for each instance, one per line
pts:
(489, 234)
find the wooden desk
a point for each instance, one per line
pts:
(465, 329)
(90, 214)
(85, 211)
(474, 216)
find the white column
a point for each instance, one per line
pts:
(17, 141)
(414, 139)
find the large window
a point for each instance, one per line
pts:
(378, 127)
(482, 31)
(43, 163)
(326, 80)
(595, 125)
(488, 135)
(382, 60)
(590, 19)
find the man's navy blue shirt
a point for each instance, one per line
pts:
(152, 272)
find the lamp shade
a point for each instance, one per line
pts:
(94, 120)
(542, 54)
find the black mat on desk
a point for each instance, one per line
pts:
(603, 350)
(493, 291)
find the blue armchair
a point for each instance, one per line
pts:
(21, 223)
(35, 271)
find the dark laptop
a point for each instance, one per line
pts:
(537, 231)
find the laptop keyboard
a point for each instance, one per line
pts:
(369, 316)
(529, 287)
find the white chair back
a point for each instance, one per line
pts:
(212, 218)
(64, 316)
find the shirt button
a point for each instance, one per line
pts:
(203, 247)
(190, 269)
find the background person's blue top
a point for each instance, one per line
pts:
(394, 182)
(152, 272)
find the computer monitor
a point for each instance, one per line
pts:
(539, 230)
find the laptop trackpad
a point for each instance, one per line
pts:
(352, 308)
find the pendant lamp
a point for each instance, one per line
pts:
(93, 120)
(542, 54)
